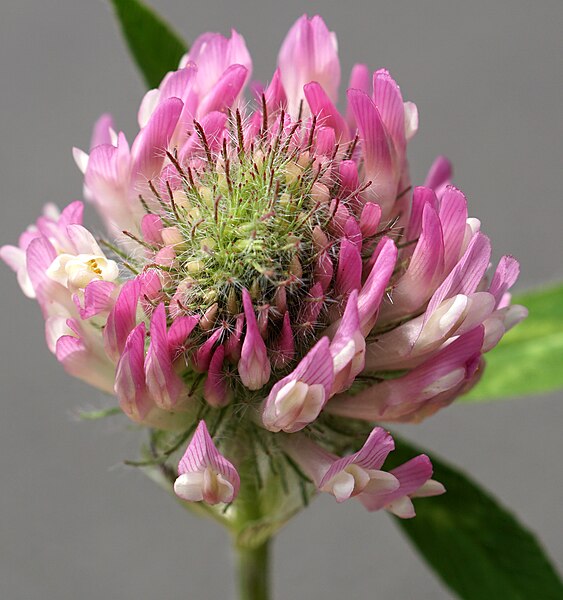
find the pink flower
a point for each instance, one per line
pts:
(271, 270)
(204, 474)
(359, 475)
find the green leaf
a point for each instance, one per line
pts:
(474, 544)
(156, 48)
(529, 359)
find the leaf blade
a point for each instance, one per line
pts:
(529, 358)
(475, 545)
(155, 46)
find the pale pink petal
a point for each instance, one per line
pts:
(225, 92)
(80, 362)
(218, 479)
(308, 53)
(504, 278)
(389, 102)
(297, 399)
(98, 298)
(149, 148)
(453, 217)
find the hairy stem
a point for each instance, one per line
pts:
(253, 572)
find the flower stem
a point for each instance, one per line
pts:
(253, 570)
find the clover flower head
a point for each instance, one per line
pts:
(271, 281)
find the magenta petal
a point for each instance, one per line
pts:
(253, 366)
(130, 386)
(179, 331)
(213, 125)
(151, 228)
(78, 360)
(412, 475)
(348, 347)
(202, 357)
(165, 386)
(360, 79)
(204, 474)
(373, 289)
(216, 389)
(370, 219)
(101, 133)
(439, 175)
(122, 318)
(426, 265)
(233, 345)
(376, 150)
(275, 94)
(284, 348)
(327, 114)
(312, 306)
(349, 271)
(213, 54)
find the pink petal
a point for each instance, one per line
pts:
(149, 148)
(122, 318)
(98, 298)
(439, 175)
(374, 287)
(225, 92)
(453, 217)
(253, 366)
(201, 455)
(349, 272)
(467, 274)
(389, 102)
(216, 389)
(130, 384)
(504, 278)
(165, 386)
(308, 53)
(348, 347)
(327, 114)
(297, 399)
(376, 150)
(284, 348)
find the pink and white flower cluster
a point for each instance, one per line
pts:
(272, 271)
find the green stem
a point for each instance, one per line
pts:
(253, 570)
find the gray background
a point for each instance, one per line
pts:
(487, 78)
